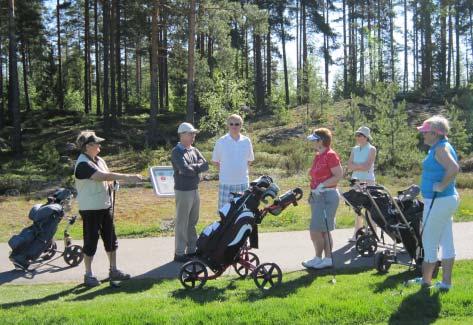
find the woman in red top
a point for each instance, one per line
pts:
(325, 173)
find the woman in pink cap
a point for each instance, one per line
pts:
(441, 200)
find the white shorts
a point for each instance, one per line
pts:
(438, 228)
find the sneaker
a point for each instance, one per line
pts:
(312, 263)
(117, 275)
(181, 258)
(91, 281)
(326, 262)
(417, 281)
(442, 286)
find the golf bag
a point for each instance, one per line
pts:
(220, 243)
(34, 240)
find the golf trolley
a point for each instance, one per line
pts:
(399, 217)
(225, 243)
(36, 245)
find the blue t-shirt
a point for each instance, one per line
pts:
(433, 172)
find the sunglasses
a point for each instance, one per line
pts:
(234, 124)
(359, 135)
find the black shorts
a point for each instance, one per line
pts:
(95, 223)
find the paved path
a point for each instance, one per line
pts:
(152, 257)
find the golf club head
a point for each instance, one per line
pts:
(333, 281)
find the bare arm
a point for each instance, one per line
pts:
(104, 176)
(443, 156)
(366, 165)
(351, 165)
(337, 173)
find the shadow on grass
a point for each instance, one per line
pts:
(289, 287)
(421, 307)
(55, 296)
(205, 294)
(392, 281)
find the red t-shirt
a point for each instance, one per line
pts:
(320, 170)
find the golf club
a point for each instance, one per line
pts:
(116, 186)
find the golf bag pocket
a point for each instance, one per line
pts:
(41, 214)
(24, 238)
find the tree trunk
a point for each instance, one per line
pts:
(405, 79)
(345, 61)
(59, 79)
(415, 43)
(87, 61)
(125, 64)
(113, 75)
(268, 65)
(298, 57)
(362, 45)
(13, 88)
(443, 44)
(25, 77)
(427, 47)
(97, 58)
(138, 69)
(305, 63)
(284, 60)
(166, 79)
(154, 66)
(106, 60)
(391, 39)
(118, 58)
(190, 65)
(450, 47)
(2, 101)
(380, 45)
(457, 44)
(326, 45)
(259, 85)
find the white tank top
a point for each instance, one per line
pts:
(360, 156)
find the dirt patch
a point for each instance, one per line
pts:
(279, 134)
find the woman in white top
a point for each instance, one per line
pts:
(361, 163)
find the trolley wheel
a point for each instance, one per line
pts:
(73, 255)
(241, 269)
(366, 245)
(50, 251)
(267, 276)
(383, 262)
(193, 275)
(360, 232)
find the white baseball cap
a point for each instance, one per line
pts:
(186, 128)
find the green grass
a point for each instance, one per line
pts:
(360, 296)
(139, 213)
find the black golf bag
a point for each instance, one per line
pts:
(384, 213)
(34, 240)
(219, 243)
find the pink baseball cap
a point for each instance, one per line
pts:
(426, 127)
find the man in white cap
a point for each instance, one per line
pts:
(187, 163)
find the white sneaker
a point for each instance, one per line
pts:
(442, 286)
(326, 262)
(312, 263)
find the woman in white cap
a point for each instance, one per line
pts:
(441, 200)
(361, 163)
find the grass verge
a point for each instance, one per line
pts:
(139, 213)
(360, 296)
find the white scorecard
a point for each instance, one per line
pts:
(163, 180)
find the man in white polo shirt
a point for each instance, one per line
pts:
(232, 155)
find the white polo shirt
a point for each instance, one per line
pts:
(233, 156)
